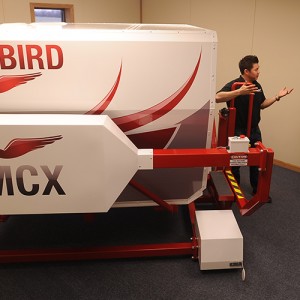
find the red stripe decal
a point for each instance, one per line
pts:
(144, 117)
(100, 107)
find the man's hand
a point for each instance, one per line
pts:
(248, 89)
(283, 92)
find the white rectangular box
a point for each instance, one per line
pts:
(220, 240)
(238, 144)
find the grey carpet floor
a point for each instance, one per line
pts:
(271, 254)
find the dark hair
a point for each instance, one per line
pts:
(247, 63)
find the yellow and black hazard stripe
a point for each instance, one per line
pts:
(234, 185)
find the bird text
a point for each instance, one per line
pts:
(31, 57)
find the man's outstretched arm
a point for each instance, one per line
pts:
(282, 93)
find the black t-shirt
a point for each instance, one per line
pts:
(241, 104)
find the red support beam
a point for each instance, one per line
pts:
(90, 253)
(231, 121)
(152, 196)
(190, 158)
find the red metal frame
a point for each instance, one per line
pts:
(152, 196)
(94, 252)
(164, 158)
(259, 156)
(191, 158)
(171, 158)
(90, 253)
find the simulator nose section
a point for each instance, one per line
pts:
(64, 163)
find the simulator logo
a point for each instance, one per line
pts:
(27, 57)
(8, 82)
(19, 147)
(30, 56)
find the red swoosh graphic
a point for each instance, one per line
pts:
(100, 107)
(20, 146)
(153, 139)
(8, 82)
(144, 117)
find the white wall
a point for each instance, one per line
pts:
(269, 29)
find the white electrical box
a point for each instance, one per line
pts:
(238, 144)
(220, 240)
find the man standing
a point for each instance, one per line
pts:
(249, 69)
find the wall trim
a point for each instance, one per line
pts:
(283, 164)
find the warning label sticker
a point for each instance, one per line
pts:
(238, 160)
